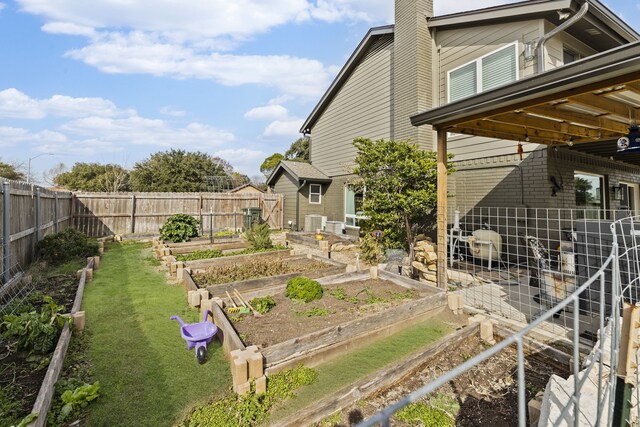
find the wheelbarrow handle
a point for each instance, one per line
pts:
(206, 315)
(178, 319)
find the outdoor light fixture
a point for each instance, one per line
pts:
(529, 50)
(616, 190)
(630, 142)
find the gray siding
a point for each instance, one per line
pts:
(460, 46)
(286, 186)
(412, 69)
(362, 108)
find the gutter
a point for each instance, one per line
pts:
(543, 40)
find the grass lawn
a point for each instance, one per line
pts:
(351, 367)
(147, 377)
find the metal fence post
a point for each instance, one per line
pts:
(37, 214)
(55, 212)
(6, 231)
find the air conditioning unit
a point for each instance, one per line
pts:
(334, 227)
(313, 223)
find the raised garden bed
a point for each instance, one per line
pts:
(309, 239)
(286, 338)
(257, 271)
(26, 381)
(485, 395)
(342, 302)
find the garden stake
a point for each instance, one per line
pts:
(244, 300)
(236, 308)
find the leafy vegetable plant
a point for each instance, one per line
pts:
(179, 228)
(259, 236)
(303, 289)
(78, 398)
(263, 304)
(64, 246)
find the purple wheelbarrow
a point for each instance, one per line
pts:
(197, 335)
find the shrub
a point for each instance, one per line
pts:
(64, 246)
(303, 289)
(179, 228)
(259, 236)
(263, 304)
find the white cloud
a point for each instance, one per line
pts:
(170, 111)
(2, 6)
(284, 128)
(69, 29)
(11, 136)
(244, 160)
(16, 104)
(353, 10)
(138, 52)
(268, 112)
(143, 131)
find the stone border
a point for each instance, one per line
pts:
(45, 395)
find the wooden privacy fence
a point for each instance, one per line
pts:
(28, 214)
(100, 214)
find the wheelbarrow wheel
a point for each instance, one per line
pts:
(201, 354)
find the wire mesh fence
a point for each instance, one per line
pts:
(519, 262)
(15, 292)
(595, 264)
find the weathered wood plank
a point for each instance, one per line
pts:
(226, 333)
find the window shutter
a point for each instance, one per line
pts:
(499, 68)
(463, 82)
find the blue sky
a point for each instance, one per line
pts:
(115, 81)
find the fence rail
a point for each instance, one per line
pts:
(99, 214)
(29, 213)
(590, 396)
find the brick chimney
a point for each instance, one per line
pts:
(412, 69)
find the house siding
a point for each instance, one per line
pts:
(412, 76)
(286, 185)
(362, 108)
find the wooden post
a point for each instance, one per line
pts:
(37, 214)
(6, 231)
(442, 208)
(629, 343)
(55, 212)
(133, 213)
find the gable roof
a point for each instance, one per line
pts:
(247, 185)
(372, 35)
(300, 171)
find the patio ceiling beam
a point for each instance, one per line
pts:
(578, 118)
(520, 132)
(498, 135)
(546, 124)
(633, 87)
(605, 104)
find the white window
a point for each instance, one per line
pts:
(487, 72)
(353, 199)
(315, 194)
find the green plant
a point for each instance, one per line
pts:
(224, 233)
(33, 331)
(313, 312)
(179, 228)
(255, 251)
(27, 420)
(263, 304)
(259, 236)
(251, 409)
(303, 289)
(371, 249)
(201, 254)
(235, 272)
(78, 398)
(64, 246)
(423, 414)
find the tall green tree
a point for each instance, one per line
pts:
(299, 150)
(400, 181)
(94, 177)
(10, 171)
(174, 171)
(270, 163)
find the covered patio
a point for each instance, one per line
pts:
(586, 105)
